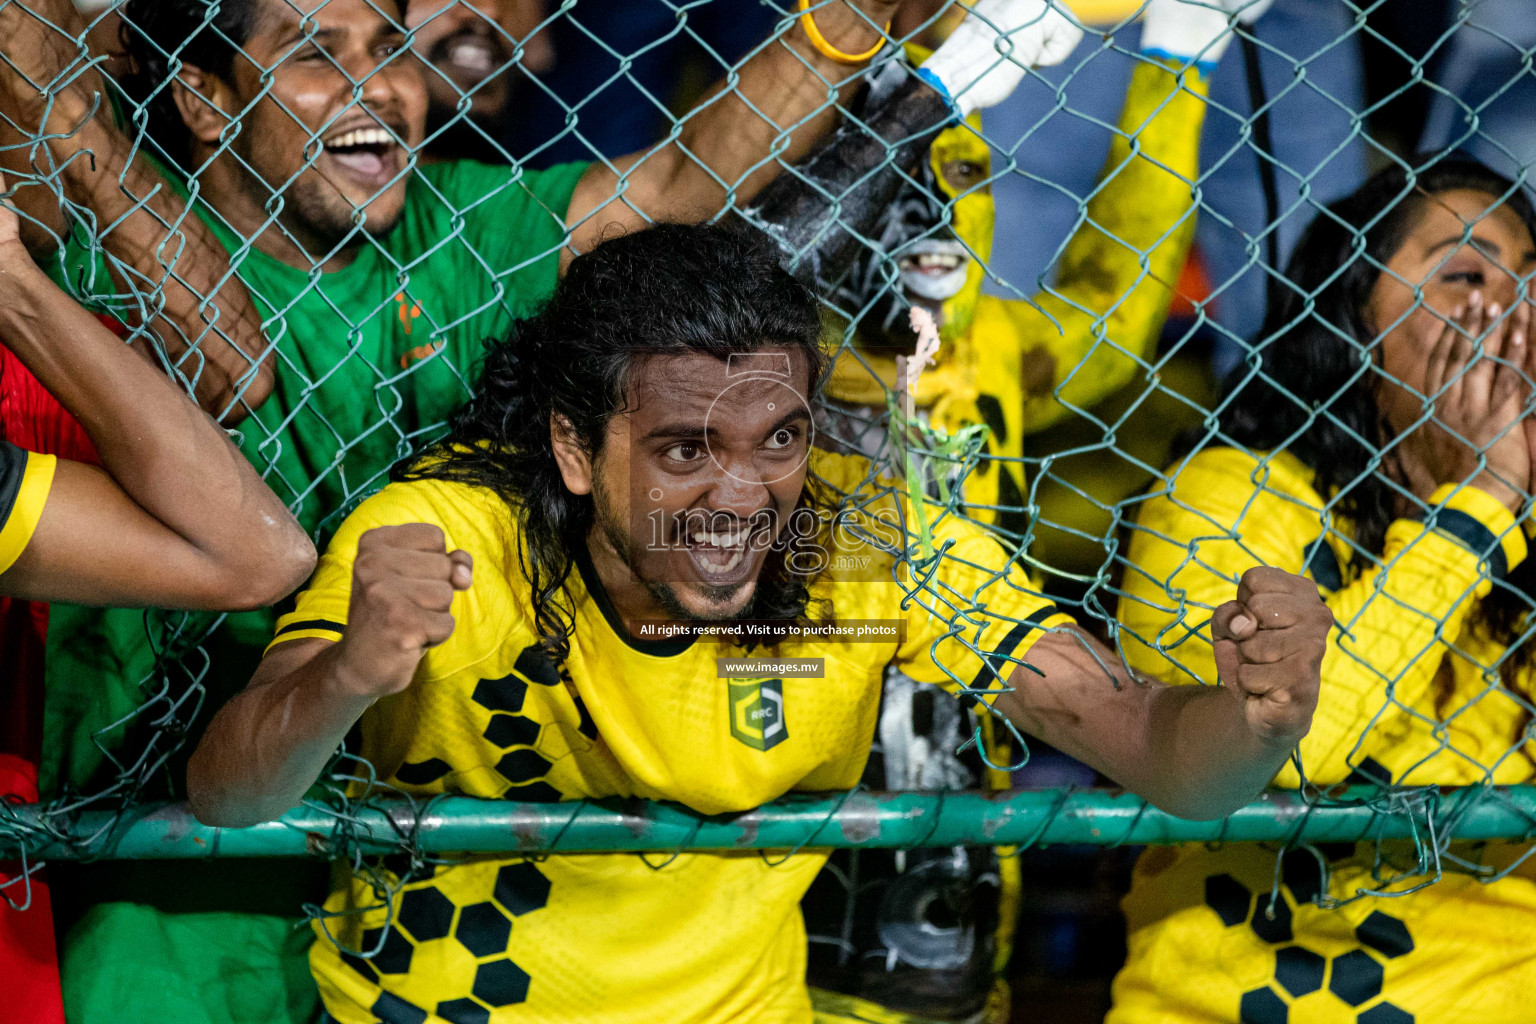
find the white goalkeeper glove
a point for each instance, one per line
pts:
(1195, 31)
(985, 58)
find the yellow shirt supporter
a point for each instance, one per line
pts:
(1020, 366)
(621, 937)
(1410, 693)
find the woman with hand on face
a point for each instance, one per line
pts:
(1380, 440)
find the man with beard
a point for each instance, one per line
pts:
(639, 451)
(377, 282)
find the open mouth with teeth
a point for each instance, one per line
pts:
(934, 270)
(725, 555)
(469, 57)
(369, 156)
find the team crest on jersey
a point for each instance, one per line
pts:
(757, 712)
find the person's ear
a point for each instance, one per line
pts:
(575, 466)
(204, 102)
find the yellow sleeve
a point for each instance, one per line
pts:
(25, 480)
(974, 615)
(320, 611)
(1118, 270)
(1228, 512)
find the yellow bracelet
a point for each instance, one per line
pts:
(826, 49)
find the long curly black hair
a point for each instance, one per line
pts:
(668, 289)
(1310, 388)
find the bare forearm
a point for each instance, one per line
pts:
(1188, 749)
(66, 143)
(268, 745)
(782, 96)
(163, 451)
(1202, 760)
(195, 307)
(771, 113)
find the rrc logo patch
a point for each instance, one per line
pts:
(757, 712)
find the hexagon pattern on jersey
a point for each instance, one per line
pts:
(394, 955)
(521, 888)
(514, 733)
(483, 929)
(480, 929)
(463, 1011)
(1354, 978)
(426, 913)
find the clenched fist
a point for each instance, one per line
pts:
(403, 582)
(1269, 650)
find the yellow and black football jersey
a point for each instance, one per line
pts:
(1410, 694)
(25, 480)
(621, 937)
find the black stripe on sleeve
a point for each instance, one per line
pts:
(294, 627)
(992, 664)
(13, 469)
(1467, 531)
(1323, 565)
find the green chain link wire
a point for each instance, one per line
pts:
(138, 747)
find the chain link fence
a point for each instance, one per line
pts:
(1139, 424)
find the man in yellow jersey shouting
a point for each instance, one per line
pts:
(641, 451)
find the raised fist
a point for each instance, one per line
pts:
(1269, 646)
(985, 58)
(403, 582)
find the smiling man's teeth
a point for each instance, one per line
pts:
(715, 563)
(720, 551)
(360, 137)
(732, 539)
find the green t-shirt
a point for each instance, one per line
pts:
(370, 361)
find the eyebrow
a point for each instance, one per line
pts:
(694, 431)
(1479, 243)
(320, 35)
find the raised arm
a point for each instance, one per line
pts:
(1196, 752)
(781, 102)
(818, 209)
(1094, 328)
(199, 312)
(1116, 276)
(177, 517)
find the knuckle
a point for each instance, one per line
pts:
(429, 533)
